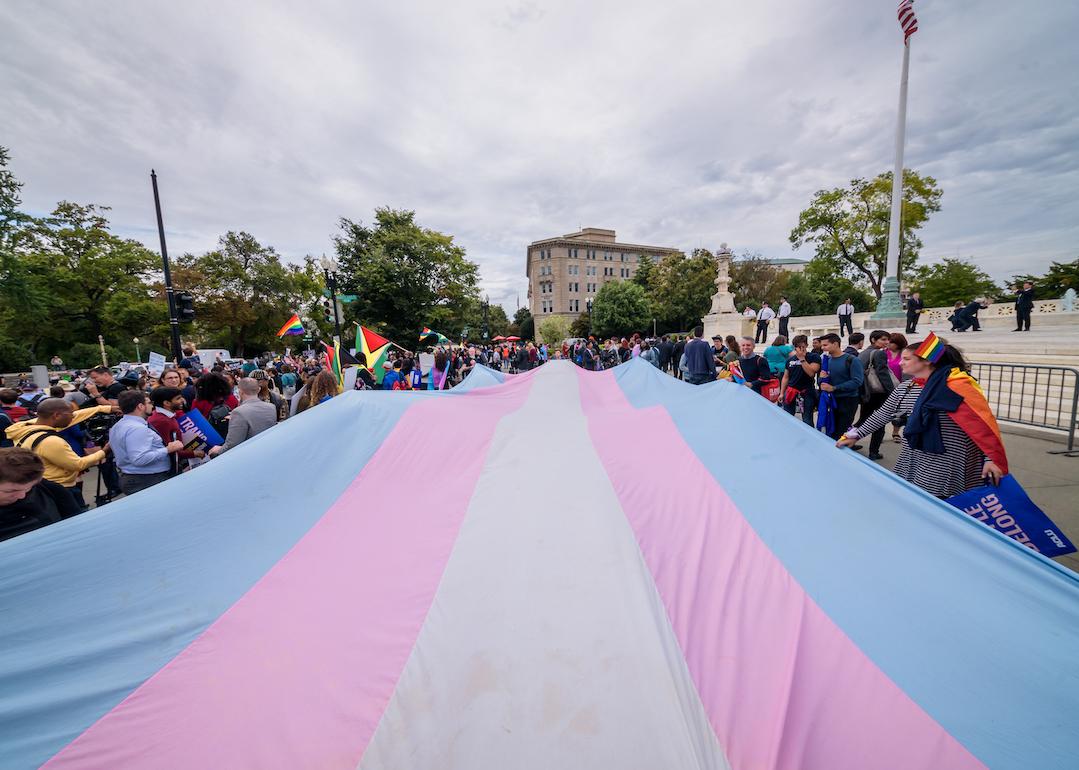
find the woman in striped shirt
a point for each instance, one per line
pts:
(955, 463)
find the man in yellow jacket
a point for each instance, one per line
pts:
(42, 437)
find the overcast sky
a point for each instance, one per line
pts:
(675, 123)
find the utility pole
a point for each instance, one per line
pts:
(174, 321)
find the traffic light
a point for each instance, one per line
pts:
(185, 306)
(327, 310)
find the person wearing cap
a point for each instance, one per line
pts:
(391, 374)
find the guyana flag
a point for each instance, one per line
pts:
(375, 348)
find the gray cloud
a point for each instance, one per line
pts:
(681, 123)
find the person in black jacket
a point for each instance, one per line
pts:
(676, 355)
(1024, 304)
(914, 308)
(27, 500)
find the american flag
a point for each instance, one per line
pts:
(907, 20)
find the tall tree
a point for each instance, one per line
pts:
(645, 271)
(820, 289)
(755, 280)
(403, 273)
(951, 281)
(1060, 277)
(850, 225)
(554, 329)
(620, 308)
(682, 289)
(243, 292)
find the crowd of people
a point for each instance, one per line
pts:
(130, 426)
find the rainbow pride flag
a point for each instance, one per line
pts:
(976, 418)
(292, 326)
(440, 339)
(667, 604)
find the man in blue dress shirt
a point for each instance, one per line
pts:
(142, 458)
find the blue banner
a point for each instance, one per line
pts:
(1006, 508)
(196, 432)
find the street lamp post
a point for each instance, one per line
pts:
(486, 328)
(138, 355)
(329, 269)
(588, 307)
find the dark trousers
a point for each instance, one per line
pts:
(76, 495)
(783, 329)
(845, 322)
(699, 379)
(875, 402)
(845, 409)
(1022, 319)
(809, 406)
(130, 483)
(964, 322)
(762, 332)
(912, 323)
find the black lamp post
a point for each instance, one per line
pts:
(588, 307)
(486, 329)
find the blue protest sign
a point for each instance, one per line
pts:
(1006, 508)
(196, 432)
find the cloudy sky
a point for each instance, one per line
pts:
(680, 123)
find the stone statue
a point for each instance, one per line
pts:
(723, 300)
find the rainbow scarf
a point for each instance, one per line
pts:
(959, 395)
(292, 326)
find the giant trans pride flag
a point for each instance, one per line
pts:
(562, 569)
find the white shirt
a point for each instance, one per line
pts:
(784, 309)
(766, 314)
(845, 310)
(749, 313)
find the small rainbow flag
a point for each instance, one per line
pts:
(931, 349)
(442, 339)
(292, 326)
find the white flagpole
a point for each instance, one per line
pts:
(890, 304)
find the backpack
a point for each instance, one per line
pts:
(30, 404)
(218, 418)
(42, 434)
(402, 384)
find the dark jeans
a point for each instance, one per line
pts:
(845, 409)
(1022, 319)
(809, 406)
(762, 332)
(130, 483)
(846, 322)
(875, 402)
(699, 379)
(912, 323)
(783, 321)
(76, 494)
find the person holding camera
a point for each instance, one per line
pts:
(42, 436)
(141, 456)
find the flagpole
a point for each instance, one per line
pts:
(890, 305)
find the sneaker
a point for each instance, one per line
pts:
(877, 456)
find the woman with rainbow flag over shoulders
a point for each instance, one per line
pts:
(951, 442)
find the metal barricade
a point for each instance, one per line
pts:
(1033, 394)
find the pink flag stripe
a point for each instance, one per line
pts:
(782, 685)
(299, 671)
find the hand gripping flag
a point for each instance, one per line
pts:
(292, 326)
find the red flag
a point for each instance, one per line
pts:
(907, 20)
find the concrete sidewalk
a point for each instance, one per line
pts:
(1052, 481)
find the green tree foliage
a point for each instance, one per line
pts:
(498, 322)
(682, 289)
(523, 326)
(754, 281)
(405, 276)
(820, 289)
(1060, 277)
(581, 327)
(554, 329)
(620, 308)
(243, 293)
(645, 270)
(951, 281)
(850, 225)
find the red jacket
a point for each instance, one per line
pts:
(169, 430)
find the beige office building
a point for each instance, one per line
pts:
(565, 272)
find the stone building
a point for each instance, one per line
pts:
(565, 272)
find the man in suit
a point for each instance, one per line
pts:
(1024, 304)
(914, 309)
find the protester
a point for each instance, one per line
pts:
(1024, 306)
(215, 401)
(840, 379)
(43, 437)
(168, 403)
(915, 306)
(777, 354)
(191, 360)
(700, 365)
(102, 387)
(799, 380)
(250, 418)
(846, 316)
(676, 355)
(951, 442)
(855, 342)
(878, 384)
(649, 354)
(28, 501)
(141, 456)
(267, 394)
(322, 387)
(754, 369)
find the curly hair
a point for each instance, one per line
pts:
(324, 384)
